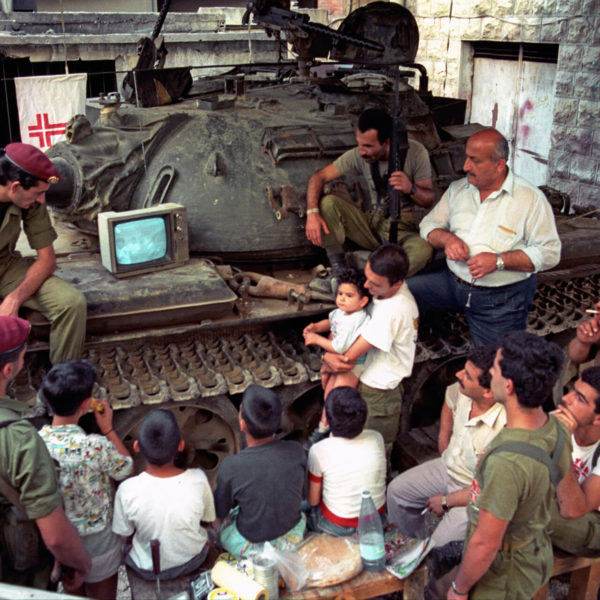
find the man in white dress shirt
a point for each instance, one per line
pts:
(497, 230)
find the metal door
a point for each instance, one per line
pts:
(517, 98)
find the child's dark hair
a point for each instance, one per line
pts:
(66, 385)
(356, 278)
(346, 412)
(158, 437)
(261, 411)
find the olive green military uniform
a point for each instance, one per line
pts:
(517, 488)
(369, 229)
(62, 304)
(26, 465)
(577, 536)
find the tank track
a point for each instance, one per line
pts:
(187, 367)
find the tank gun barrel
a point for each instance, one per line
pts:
(272, 16)
(161, 19)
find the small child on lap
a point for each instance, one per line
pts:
(86, 465)
(345, 324)
(164, 503)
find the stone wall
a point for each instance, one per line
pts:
(574, 160)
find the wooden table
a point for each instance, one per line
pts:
(367, 585)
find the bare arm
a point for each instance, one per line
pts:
(588, 334)
(576, 500)
(62, 540)
(104, 420)
(37, 273)
(458, 498)
(480, 553)
(314, 339)
(485, 262)
(446, 424)
(318, 327)
(315, 224)
(340, 363)
(452, 245)
(314, 492)
(424, 192)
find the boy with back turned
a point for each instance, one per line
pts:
(260, 490)
(165, 503)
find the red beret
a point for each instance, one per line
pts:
(33, 160)
(13, 333)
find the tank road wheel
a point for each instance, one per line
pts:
(209, 427)
(424, 391)
(302, 406)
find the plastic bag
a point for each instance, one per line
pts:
(290, 566)
(330, 560)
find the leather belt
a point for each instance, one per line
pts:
(483, 287)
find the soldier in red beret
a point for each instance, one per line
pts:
(30, 483)
(25, 176)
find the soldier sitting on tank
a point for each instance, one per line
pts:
(25, 176)
(331, 220)
(497, 230)
(259, 491)
(340, 467)
(584, 346)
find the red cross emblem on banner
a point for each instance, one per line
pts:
(44, 130)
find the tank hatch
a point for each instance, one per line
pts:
(390, 24)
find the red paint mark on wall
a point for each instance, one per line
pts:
(495, 115)
(527, 105)
(525, 131)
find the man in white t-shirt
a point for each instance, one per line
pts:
(390, 339)
(577, 528)
(340, 467)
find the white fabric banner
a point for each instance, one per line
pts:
(46, 104)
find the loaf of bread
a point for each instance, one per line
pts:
(330, 560)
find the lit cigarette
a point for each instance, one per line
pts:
(424, 511)
(97, 405)
(592, 311)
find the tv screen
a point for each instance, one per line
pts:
(140, 241)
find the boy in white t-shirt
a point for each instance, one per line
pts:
(340, 467)
(164, 503)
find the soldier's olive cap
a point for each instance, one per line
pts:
(33, 161)
(13, 333)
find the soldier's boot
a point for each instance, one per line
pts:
(329, 283)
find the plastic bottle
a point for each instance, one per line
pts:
(370, 535)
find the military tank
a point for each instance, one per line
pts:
(237, 151)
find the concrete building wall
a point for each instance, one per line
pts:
(446, 28)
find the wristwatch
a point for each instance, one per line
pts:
(445, 503)
(499, 263)
(413, 189)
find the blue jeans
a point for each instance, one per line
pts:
(316, 521)
(493, 311)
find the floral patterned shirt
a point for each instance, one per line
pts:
(86, 465)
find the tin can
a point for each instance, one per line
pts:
(266, 574)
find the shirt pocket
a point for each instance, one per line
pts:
(504, 238)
